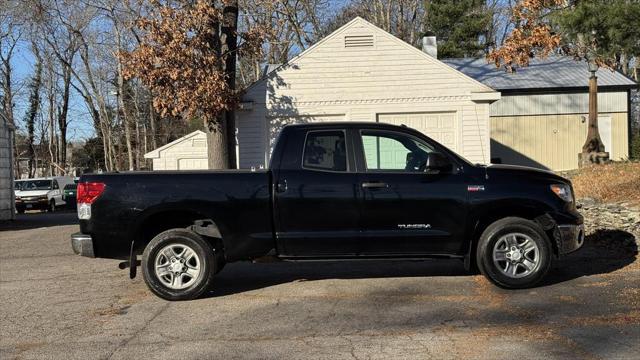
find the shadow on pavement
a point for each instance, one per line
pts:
(603, 252)
(34, 220)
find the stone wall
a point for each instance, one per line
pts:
(6, 173)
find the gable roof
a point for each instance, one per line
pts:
(558, 72)
(360, 21)
(154, 154)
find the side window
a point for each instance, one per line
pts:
(55, 185)
(325, 150)
(387, 151)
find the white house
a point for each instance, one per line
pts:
(186, 153)
(535, 116)
(362, 73)
(7, 201)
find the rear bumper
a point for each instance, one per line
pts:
(571, 238)
(82, 244)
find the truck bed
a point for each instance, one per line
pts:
(239, 200)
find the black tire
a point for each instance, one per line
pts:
(184, 237)
(20, 211)
(493, 233)
(52, 206)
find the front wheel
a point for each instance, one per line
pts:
(514, 253)
(52, 206)
(178, 265)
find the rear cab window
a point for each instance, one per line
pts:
(325, 150)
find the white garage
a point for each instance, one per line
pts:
(440, 126)
(186, 153)
(362, 73)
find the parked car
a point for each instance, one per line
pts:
(69, 195)
(17, 185)
(333, 191)
(41, 193)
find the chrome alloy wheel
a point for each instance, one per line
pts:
(177, 266)
(516, 255)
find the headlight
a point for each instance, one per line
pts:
(43, 197)
(563, 191)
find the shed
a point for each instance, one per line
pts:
(541, 119)
(186, 153)
(7, 199)
(362, 73)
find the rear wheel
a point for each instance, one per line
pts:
(178, 265)
(514, 253)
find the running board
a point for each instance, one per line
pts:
(370, 258)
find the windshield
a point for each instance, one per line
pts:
(18, 185)
(36, 185)
(71, 187)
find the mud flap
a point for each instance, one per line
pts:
(549, 226)
(133, 263)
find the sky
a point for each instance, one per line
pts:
(80, 125)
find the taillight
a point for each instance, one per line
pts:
(88, 192)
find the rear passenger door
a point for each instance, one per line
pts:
(316, 195)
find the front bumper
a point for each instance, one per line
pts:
(571, 238)
(32, 204)
(82, 244)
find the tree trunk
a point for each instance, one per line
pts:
(62, 118)
(593, 142)
(34, 105)
(217, 145)
(229, 39)
(593, 148)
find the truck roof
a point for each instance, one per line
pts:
(348, 124)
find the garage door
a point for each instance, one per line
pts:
(192, 164)
(440, 126)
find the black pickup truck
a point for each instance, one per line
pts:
(343, 190)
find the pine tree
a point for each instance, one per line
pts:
(460, 26)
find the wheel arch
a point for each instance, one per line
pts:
(538, 214)
(157, 221)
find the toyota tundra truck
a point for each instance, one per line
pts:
(332, 191)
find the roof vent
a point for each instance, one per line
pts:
(358, 41)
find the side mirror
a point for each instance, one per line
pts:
(438, 162)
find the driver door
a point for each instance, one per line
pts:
(405, 209)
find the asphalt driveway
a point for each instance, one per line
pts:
(58, 305)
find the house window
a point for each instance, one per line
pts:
(325, 150)
(358, 41)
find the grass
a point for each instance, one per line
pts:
(614, 182)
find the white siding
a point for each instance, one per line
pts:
(6, 172)
(359, 83)
(187, 153)
(560, 103)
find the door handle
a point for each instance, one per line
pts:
(281, 186)
(374, 185)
